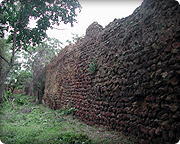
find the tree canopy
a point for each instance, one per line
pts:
(15, 16)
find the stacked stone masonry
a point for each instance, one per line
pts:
(135, 88)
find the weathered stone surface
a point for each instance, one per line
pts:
(174, 107)
(165, 135)
(164, 116)
(178, 136)
(172, 134)
(174, 81)
(158, 131)
(135, 85)
(176, 115)
(176, 45)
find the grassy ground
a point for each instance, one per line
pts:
(22, 122)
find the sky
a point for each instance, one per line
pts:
(101, 11)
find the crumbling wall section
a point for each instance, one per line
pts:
(135, 87)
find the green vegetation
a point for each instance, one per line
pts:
(24, 122)
(92, 66)
(15, 17)
(28, 73)
(74, 38)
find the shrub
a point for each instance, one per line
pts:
(92, 66)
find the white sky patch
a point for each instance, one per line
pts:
(100, 11)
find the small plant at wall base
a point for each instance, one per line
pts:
(92, 66)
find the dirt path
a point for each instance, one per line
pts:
(100, 135)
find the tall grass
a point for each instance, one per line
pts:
(22, 122)
(25, 123)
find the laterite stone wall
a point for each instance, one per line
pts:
(136, 86)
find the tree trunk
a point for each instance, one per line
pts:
(2, 86)
(11, 63)
(1, 91)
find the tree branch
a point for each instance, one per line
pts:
(27, 16)
(17, 50)
(59, 29)
(14, 38)
(4, 59)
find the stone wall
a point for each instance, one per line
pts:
(135, 87)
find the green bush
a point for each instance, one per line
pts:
(92, 66)
(68, 111)
(6, 96)
(72, 138)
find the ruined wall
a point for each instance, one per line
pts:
(136, 87)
